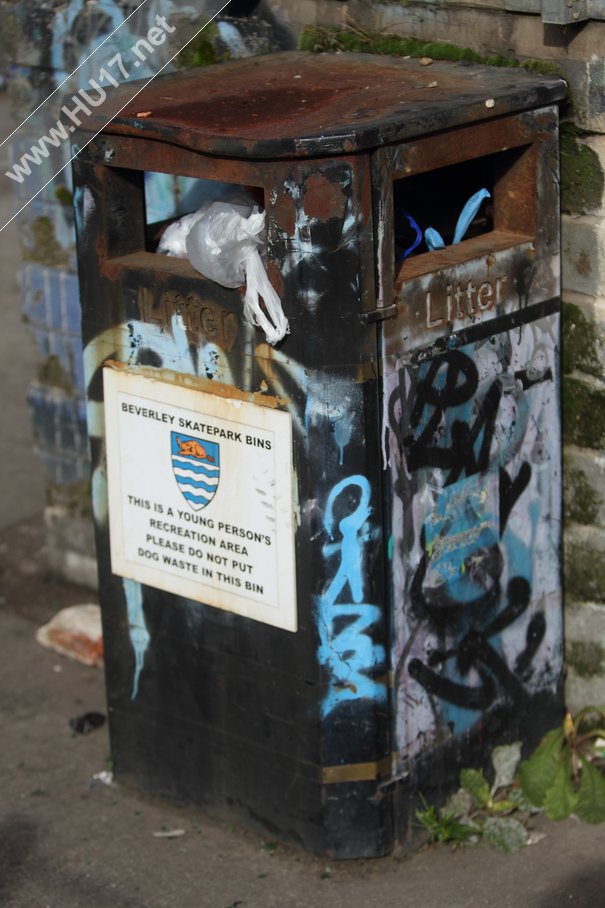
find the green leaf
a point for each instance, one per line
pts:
(505, 760)
(444, 827)
(591, 797)
(537, 774)
(505, 806)
(505, 833)
(459, 804)
(473, 781)
(516, 796)
(561, 798)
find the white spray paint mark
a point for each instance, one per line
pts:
(137, 629)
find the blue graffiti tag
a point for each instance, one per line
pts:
(137, 629)
(349, 652)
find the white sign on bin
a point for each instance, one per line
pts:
(200, 496)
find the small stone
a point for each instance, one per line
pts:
(490, 103)
(426, 61)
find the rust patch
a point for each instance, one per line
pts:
(296, 103)
(276, 278)
(284, 213)
(254, 106)
(324, 200)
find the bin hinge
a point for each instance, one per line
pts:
(379, 315)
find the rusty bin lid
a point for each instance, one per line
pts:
(297, 104)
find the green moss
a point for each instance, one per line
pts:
(583, 414)
(201, 51)
(355, 40)
(584, 568)
(52, 373)
(582, 177)
(46, 250)
(64, 196)
(580, 347)
(544, 68)
(586, 659)
(581, 502)
(319, 38)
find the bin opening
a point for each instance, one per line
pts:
(430, 204)
(169, 197)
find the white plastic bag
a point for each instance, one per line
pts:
(172, 242)
(223, 245)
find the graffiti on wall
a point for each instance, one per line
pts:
(473, 448)
(345, 619)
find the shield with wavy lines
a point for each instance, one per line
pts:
(196, 467)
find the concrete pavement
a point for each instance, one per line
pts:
(69, 841)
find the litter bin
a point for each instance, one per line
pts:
(329, 568)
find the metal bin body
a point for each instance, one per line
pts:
(421, 399)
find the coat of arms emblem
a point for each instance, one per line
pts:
(196, 468)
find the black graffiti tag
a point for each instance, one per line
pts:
(450, 381)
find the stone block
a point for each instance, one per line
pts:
(583, 338)
(584, 563)
(583, 411)
(583, 254)
(584, 486)
(582, 173)
(585, 655)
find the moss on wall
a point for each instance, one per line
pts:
(581, 341)
(581, 502)
(582, 177)
(584, 572)
(586, 658)
(319, 38)
(52, 373)
(201, 51)
(46, 250)
(583, 414)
